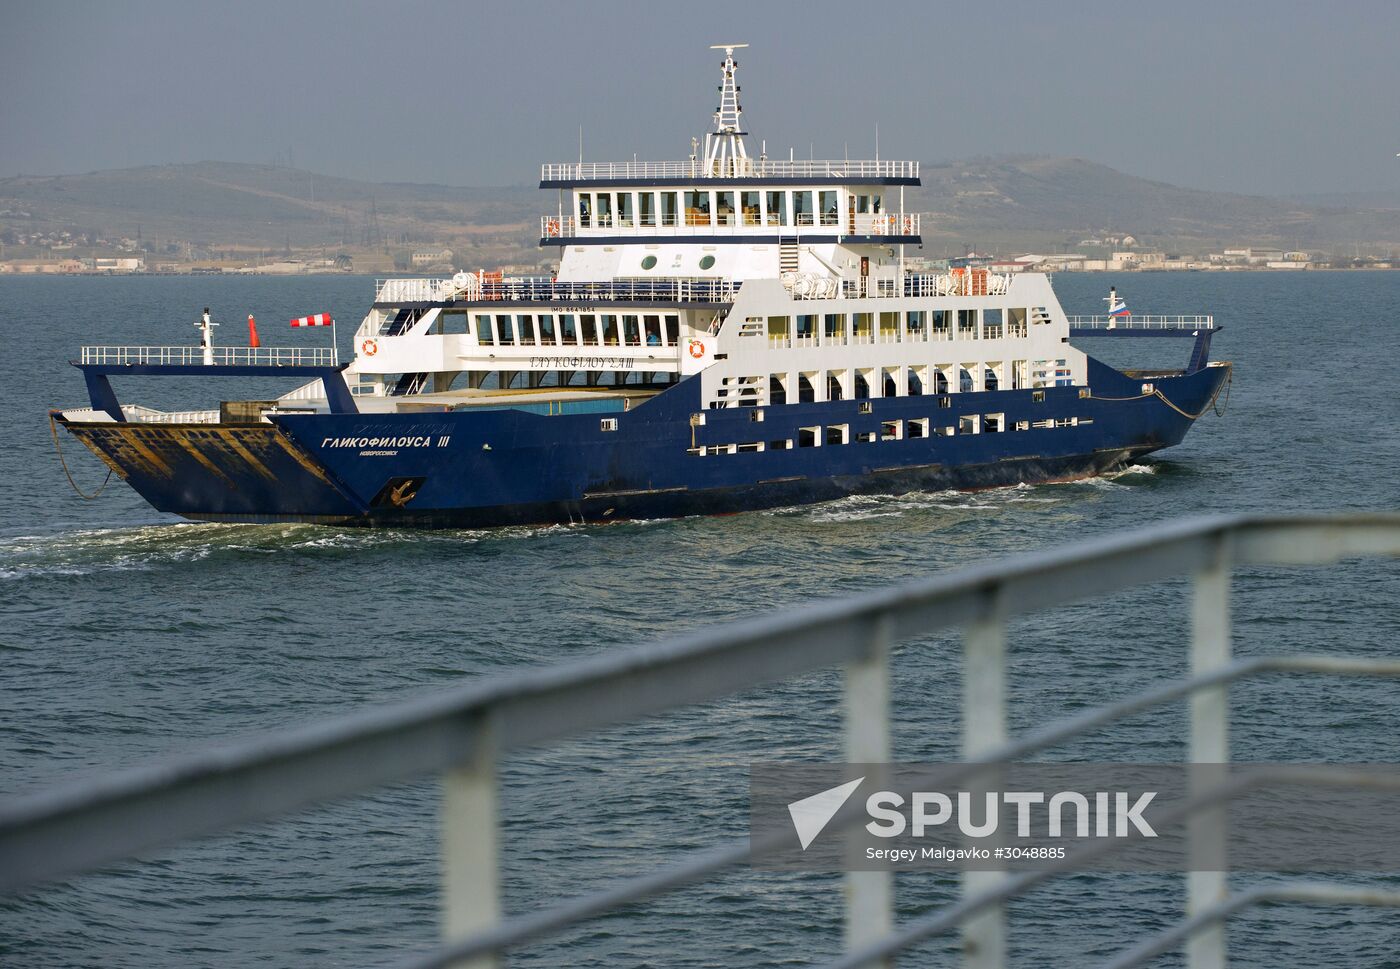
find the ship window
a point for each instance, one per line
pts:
(1038, 396)
(780, 445)
(968, 424)
(505, 335)
(802, 208)
(945, 402)
(992, 324)
(915, 382)
(602, 213)
(808, 436)
(483, 331)
(888, 386)
(835, 331)
(749, 202)
(777, 208)
(707, 262)
(608, 424)
(588, 324)
(914, 324)
(724, 208)
(1084, 392)
(585, 209)
(889, 327)
(860, 324)
(866, 407)
(608, 321)
(993, 423)
(568, 328)
(648, 262)
(547, 329)
(673, 330)
(697, 208)
(624, 209)
(777, 390)
(647, 208)
(669, 211)
(833, 386)
(945, 432)
(964, 380)
(525, 326)
(653, 330)
(862, 386)
(918, 427)
(806, 326)
(1023, 425)
(632, 331)
(892, 431)
(939, 319)
(990, 380)
(751, 446)
(862, 204)
(806, 390)
(1016, 322)
(865, 437)
(967, 324)
(838, 433)
(830, 213)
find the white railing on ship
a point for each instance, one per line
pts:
(730, 168)
(222, 356)
(141, 414)
(822, 286)
(569, 227)
(1143, 322)
(410, 290)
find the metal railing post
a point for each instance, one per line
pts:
(1210, 745)
(470, 849)
(869, 894)
(984, 729)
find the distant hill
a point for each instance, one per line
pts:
(1004, 203)
(1060, 200)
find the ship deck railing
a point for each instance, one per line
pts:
(544, 289)
(464, 734)
(222, 356)
(727, 223)
(758, 168)
(1143, 322)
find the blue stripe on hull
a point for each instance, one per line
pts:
(501, 467)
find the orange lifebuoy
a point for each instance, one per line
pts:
(370, 347)
(697, 349)
(551, 227)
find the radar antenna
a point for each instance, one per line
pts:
(725, 154)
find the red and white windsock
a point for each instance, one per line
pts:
(320, 319)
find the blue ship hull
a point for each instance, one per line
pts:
(471, 468)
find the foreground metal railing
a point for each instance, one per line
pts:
(463, 734)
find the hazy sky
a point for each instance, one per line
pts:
(1266, 98)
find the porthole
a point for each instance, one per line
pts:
(706, 262)
(648, 262)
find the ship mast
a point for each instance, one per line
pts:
(725, 155)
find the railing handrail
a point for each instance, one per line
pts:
(185, 355)
(464, 731)
(744, 168)
(1137, 322)
(894, 224)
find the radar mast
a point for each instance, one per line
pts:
(725, 154)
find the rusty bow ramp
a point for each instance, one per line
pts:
(219, 472)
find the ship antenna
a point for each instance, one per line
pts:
(725, 154)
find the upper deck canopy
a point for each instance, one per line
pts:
(771, 171)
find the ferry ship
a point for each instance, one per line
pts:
(723, 333)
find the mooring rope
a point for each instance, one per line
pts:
(1219, 411)
(57, 446)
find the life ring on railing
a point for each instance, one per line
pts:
(908, 225)
(551, 227)
(370, 347)
(697, 349)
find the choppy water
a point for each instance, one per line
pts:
(125, 635)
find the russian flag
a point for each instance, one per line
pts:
(1118, 308)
